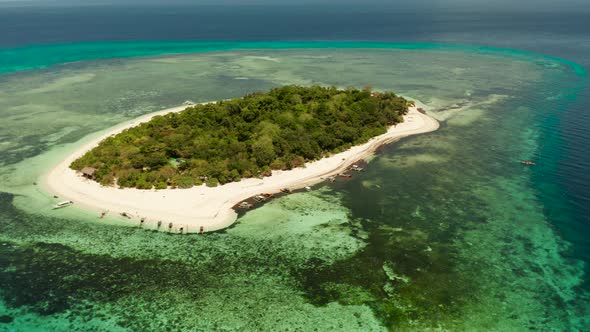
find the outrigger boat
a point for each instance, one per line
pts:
(357, 168)
(528, 163)
(245, 205)
(62, 204)
(345, 175)
(259, 198)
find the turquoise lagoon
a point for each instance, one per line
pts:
(444, 231)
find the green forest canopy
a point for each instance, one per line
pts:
(241, 138)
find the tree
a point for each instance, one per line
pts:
(244, 137)
(263, 150)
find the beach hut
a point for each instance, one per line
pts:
(88, 172)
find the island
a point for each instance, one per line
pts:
(185, 169)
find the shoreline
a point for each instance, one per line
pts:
(201, 207)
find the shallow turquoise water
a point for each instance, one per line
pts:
(40, 56)
(444, 230)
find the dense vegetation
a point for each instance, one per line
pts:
(241, 138)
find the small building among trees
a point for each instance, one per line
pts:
(88, 172)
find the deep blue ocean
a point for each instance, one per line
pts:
(564, 35)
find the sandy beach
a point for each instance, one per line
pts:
(189, 210)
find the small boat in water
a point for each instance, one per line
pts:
(259, 198)
(308, 188)
(245, 205)
(528, 163)
(345, 175)
(286, 190)
(62, 204)
(358, 169)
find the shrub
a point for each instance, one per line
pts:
(212, 182)
(161, 185)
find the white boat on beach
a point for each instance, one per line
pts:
(62, 204)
